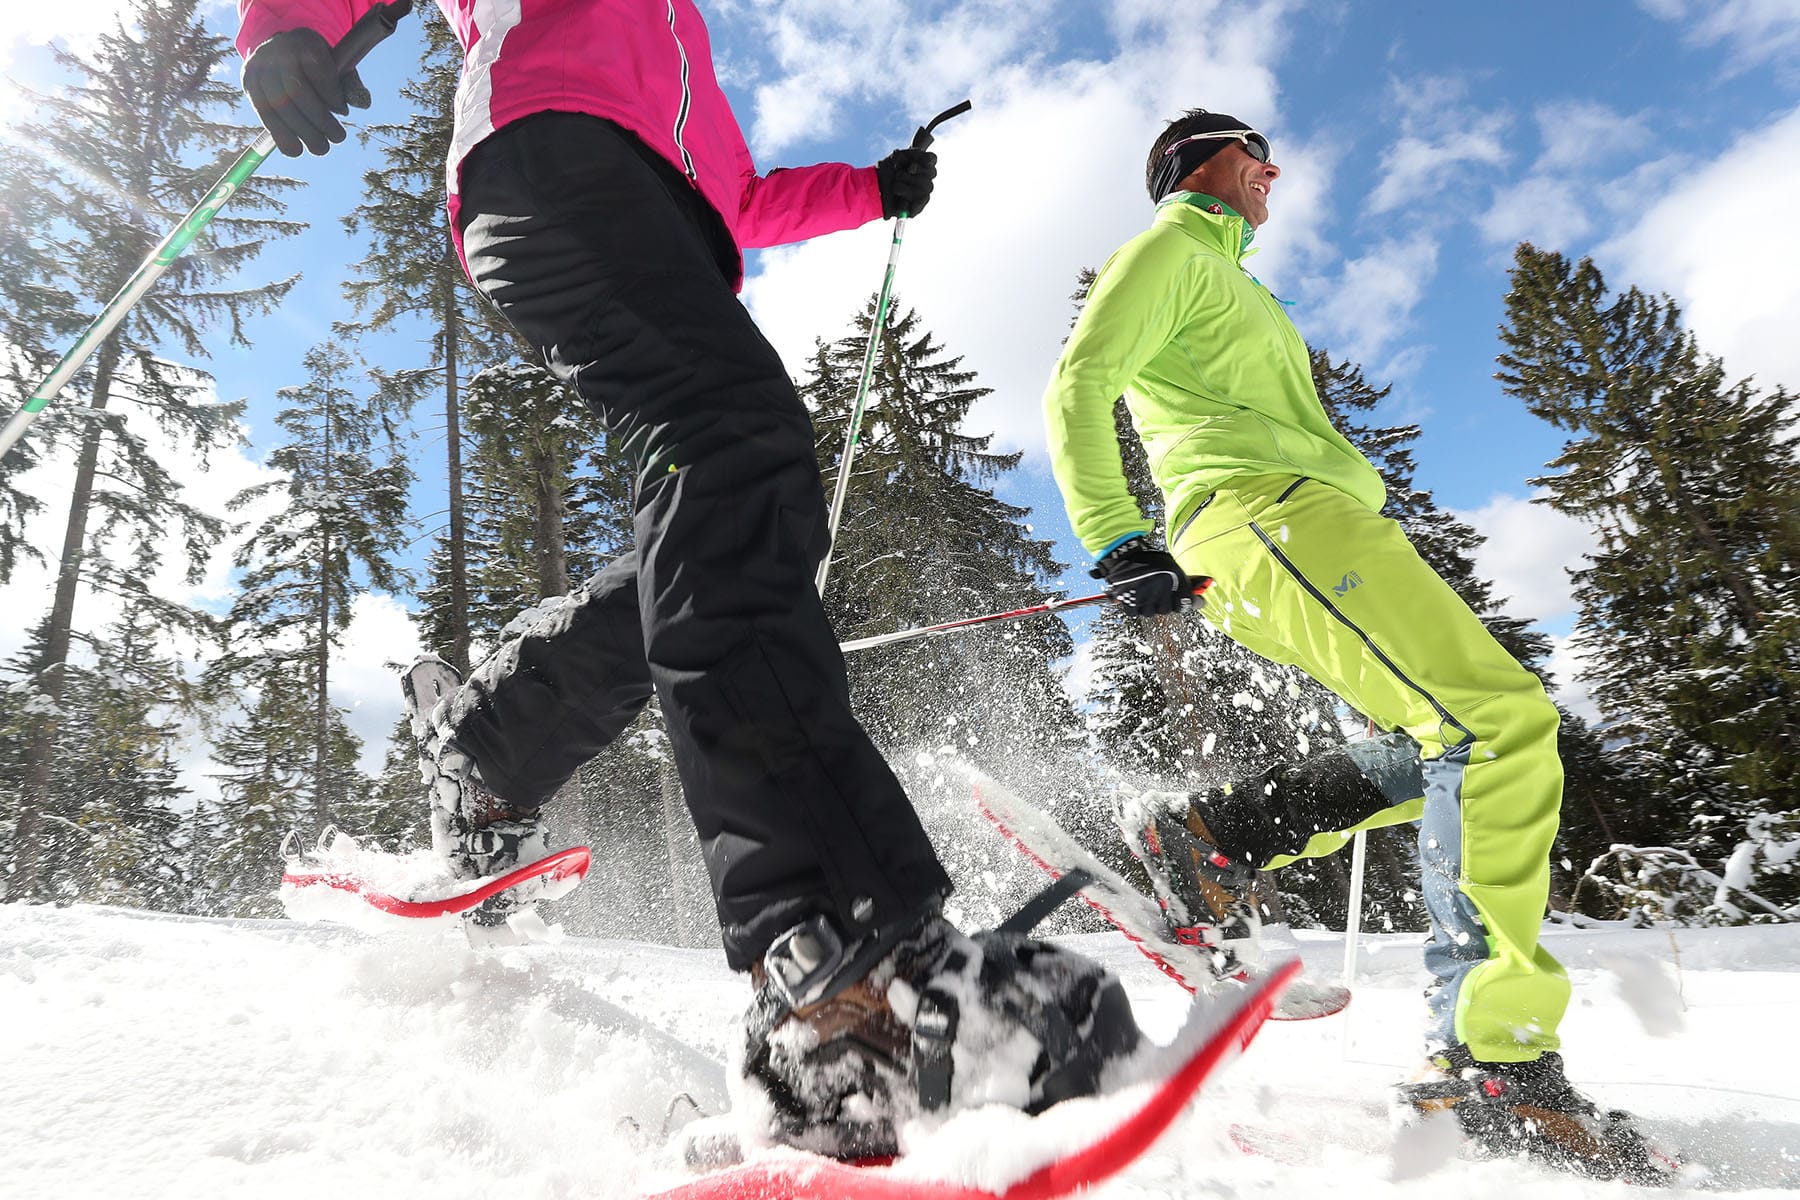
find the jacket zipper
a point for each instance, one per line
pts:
(687, 101)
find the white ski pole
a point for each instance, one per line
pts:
(922, 140)
(1359, 857)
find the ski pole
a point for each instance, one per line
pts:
(922, 140)
(1048, 606)
(374, 28)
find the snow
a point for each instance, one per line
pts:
(151, 1055)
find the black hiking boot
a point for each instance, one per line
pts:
(1531, 1108)
(845, 1044)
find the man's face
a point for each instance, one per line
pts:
(1234, 176)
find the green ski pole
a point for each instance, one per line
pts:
(372, 29)
(922, 140)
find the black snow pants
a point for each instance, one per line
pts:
(609, 262)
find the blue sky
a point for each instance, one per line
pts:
(1420, 142)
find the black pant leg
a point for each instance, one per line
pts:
(1278, 811)
(549, 700)
(610, 262)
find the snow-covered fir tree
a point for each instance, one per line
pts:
(119, 157)
(269, 760)
(412, 273)
(923, 539)
(331, 530)
(116, 834)
(1689, 627)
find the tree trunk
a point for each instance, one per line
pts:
(51, 672)
(459, 560)
(322, 655)
(552, 514)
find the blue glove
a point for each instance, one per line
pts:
(1145, 579)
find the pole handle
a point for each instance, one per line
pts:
(923, 138)
(372, 29)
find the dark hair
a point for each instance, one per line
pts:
(1194, 120)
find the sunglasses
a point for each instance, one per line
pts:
(1255, 144)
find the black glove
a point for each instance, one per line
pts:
(905, 177)
(298, 93)
(1145, 579)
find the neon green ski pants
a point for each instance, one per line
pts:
(1303, 574)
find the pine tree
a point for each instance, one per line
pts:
(547, 505)
(340, 523)
(413, 273)
(36, 316)
(128, 796)
(394, 816)
(923, 537)
(115, 832)
(1688, 621)
(121, 157)
(269, 758)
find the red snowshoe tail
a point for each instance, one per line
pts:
(1190, 956)
(562, 867)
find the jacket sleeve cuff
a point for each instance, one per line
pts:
(260, 20)
(1107, 549)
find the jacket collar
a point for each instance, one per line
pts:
(1211, 220)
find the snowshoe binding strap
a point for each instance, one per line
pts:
(1040, 906)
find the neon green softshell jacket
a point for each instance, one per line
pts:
(1217, 379)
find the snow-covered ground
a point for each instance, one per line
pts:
(149, 1055)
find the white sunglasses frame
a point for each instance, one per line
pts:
(1236, 135)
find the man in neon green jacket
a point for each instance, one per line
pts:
(1273, 503)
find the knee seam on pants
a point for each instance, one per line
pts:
(1381, 656)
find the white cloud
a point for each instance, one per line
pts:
(1544, 210)
(1043, 178)
(1529, 552)
(1578, 133)
(1755, 31)
(1572, 692)
(1568, 193)
(1722, 240)
(1440, 136)
(829, 51)
(1078, 671)
(1368, 303)
(381, 636)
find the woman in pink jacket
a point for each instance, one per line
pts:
(600, 191)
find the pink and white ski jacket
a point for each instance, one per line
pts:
(646, 64)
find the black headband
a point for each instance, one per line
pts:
(1184, 162)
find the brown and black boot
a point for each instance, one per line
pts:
(847, 1043)
(1531, 1109)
